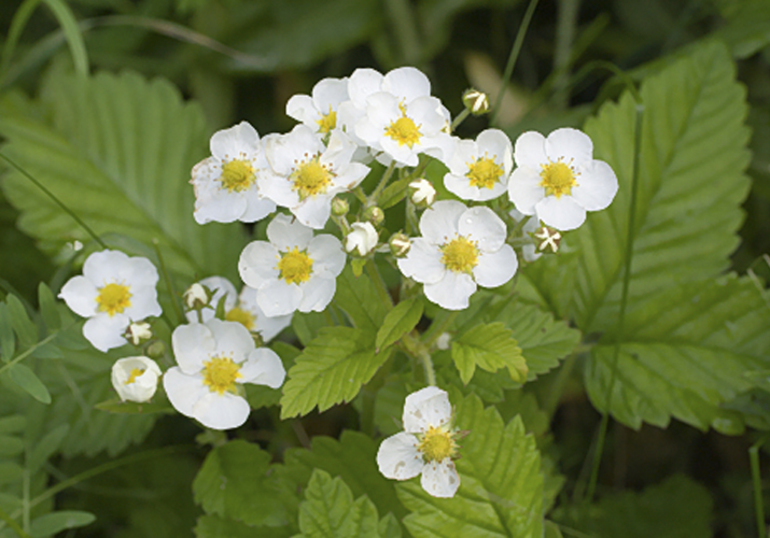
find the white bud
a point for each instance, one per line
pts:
(423, 192)
(443, 341)
(138, 332)
(363, 238)
(135, 378)
(196, 297)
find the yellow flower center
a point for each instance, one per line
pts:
(328, 122)
(484, 173)
(558, 178)
(461, 255)
(237, 175)
(404, 131)
(242, 316)
(136, 372)
(311, 178)
(295, 266)
(113, 299)
(437, 444)
(220, 373)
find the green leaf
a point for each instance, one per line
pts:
(394, 193)
(501, 485)
(10, 472)
(358, 298)
(117, 406)
(676, 508)
(685, 354)
(748, 27)
(25, 378)
(117, 150)
(10, 446)
(24, 328)
(45, 447)
(50, 524)
(330, 370)
(691, 183)
(48, 308)
(210, 526)
(490, 347)
(399, 321)
(7, 339)
(329, 510)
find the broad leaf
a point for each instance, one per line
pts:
(501, 485)
(358, 298)
(26, 379)
(330, 370)
(399, 321)
(118, 151)
(210, 526)
(50, 524)
(490, 347)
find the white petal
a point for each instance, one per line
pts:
(257, 207)
(326, 252)
(221, 411)
(482, 225)
(427, 407)
(406, 83)
(80, 295)
(219, 205)
(106, 332)
(363, 83)
(499, 146)
(426, 112)
(238, 142)
(524, 190)
(144, 303)
(439, 223)
(232, 339)
(329, 93)
(561, 213)
(102, 267)
(286, 233)
(258, 263)
(142, 387)
(279, 298)
(569, 145)
(302, 108)
(267, 327)
(402, 154)
(496, 268)
(422, 262)
(440, 479)
(138, 271)
(313, 211)
(466, 151)
(317, 292)
(596, 186)
(277, 188)
(452, 292)
(192, 344)
(263, 367)
(398, 458)
(529, 151)
(183, 390)
(221, 287)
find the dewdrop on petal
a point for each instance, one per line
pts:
(427, 446)
(135, 379)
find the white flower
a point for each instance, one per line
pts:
(401, 119)
(219, 287)
(138, 332)
(304, 175)
(480, 170)
(135, 378)
(363, 238)
(459, 249)
(214, 358)
(558, 179)
(226, 183)
(195, 297)
(426, 446)
(293, 270)
(113, 291)
(529, 251)
(423, 192)
(319, 112)
(242, 308)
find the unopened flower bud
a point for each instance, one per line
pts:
(399, 245)
(475, 101)
(340, 207)
(196, 297)
(548, 239)
(422, 193)
(156, 350)
(135, 378)
(363, 238)
(375, 215)
(138, 332)
(443, 341)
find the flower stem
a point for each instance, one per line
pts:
(379, 283)
(756, 478)
(427, 364)
(169, 285)
(459, 119)
(374, 197)
(436, 329)
(515, 50)
(58, 202)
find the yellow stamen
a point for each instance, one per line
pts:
(404, 131)
(113, 299)
(136, 372)
(242, 316)
(328, 122)
(484, 173)
(461, 255)
(437, 444)
(558, 178)
(237, 175)
(310, 178)
(220, 373)
(295, 266)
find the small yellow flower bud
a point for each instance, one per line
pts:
(156, 350)
(340, 207)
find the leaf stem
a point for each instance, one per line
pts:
(58, 202)
(515, 50)
(13, 525)
(374, 197)
(756, 478)
(21, 356)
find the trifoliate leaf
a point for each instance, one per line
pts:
(330, 370)
(501, 485)
(490, 347)
(358, 297)
(118, 152)
(399, 321)
(329, 510)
